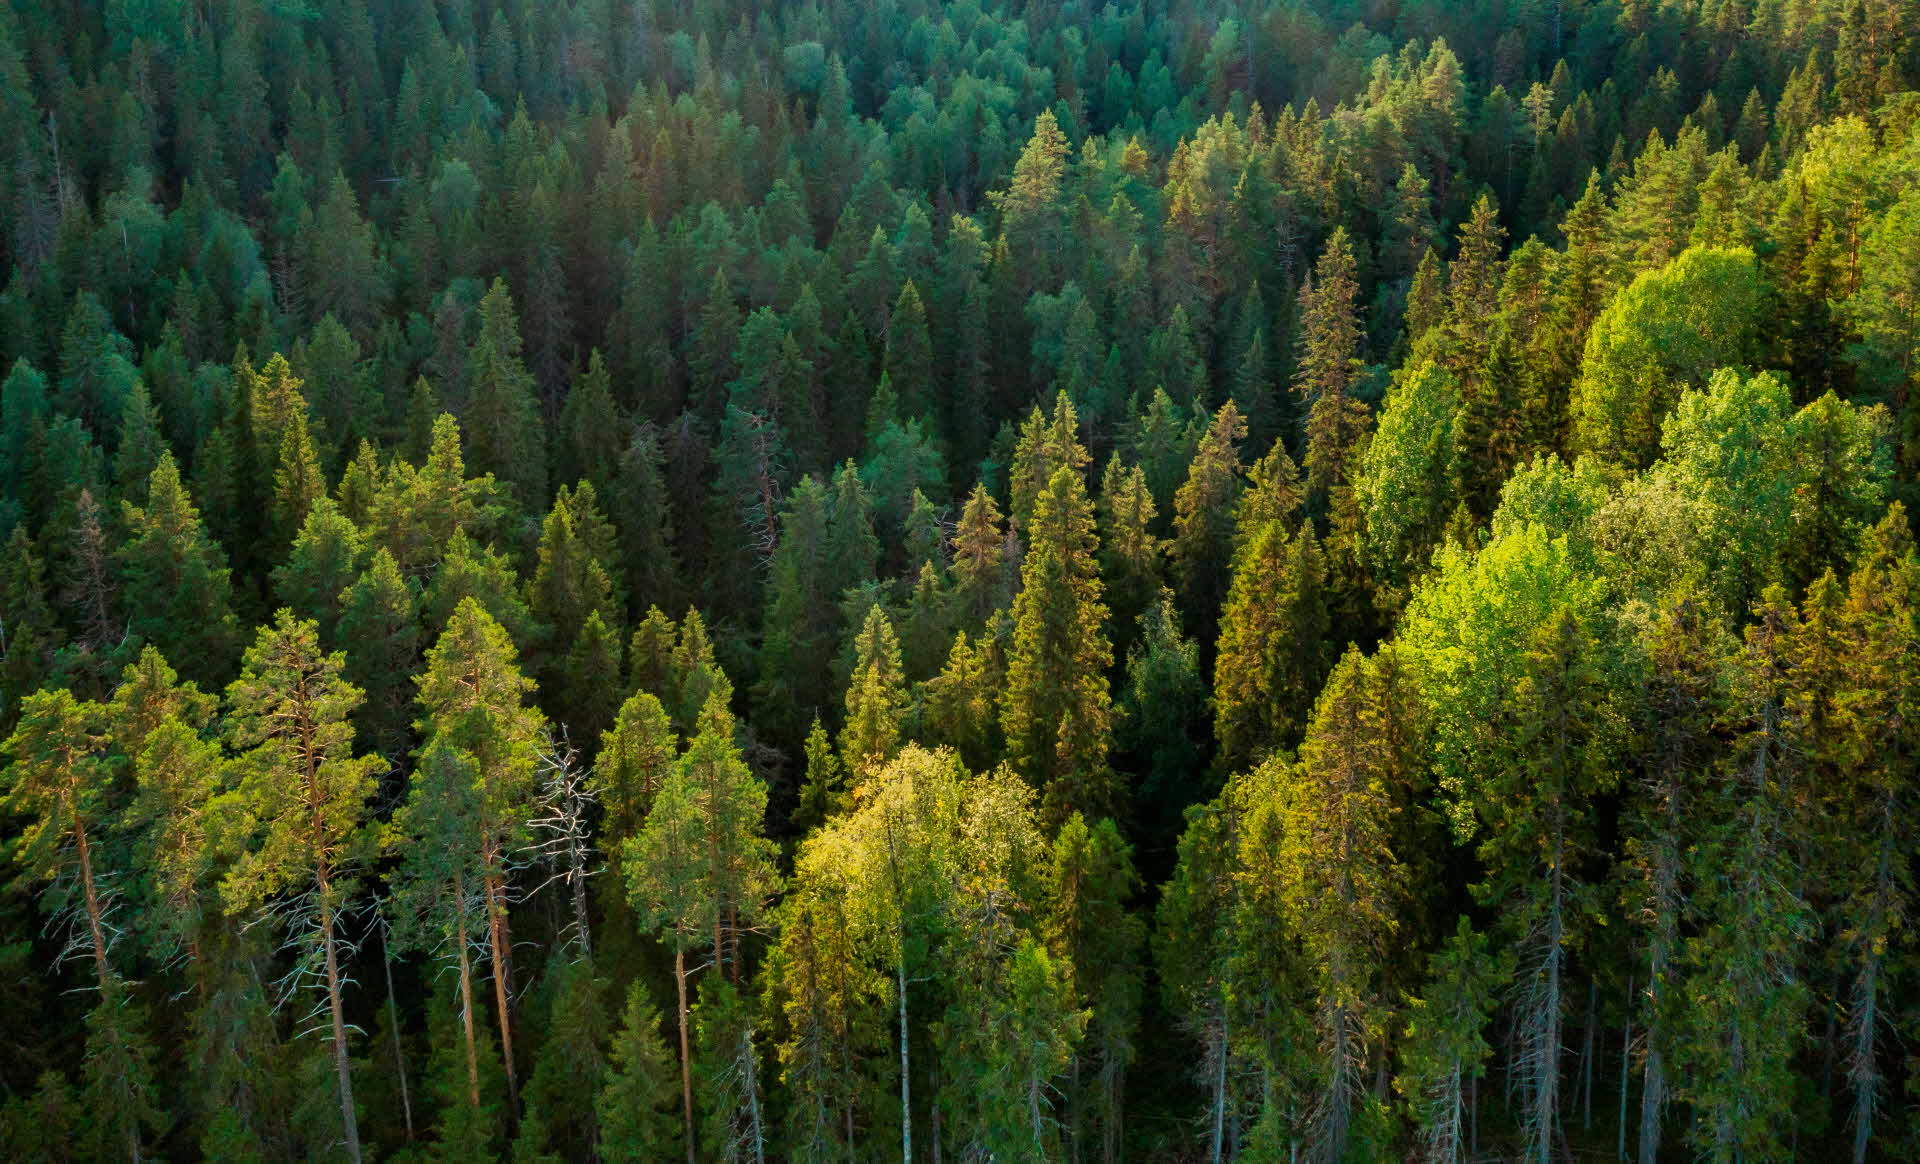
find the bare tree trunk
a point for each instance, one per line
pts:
(94, 925)
(686, 1064)
(1626, 1060)
(466, 993)
(906, 1074)
(1863, 1069)
(1220, 1092)
(1586, 1054)
(393, 1026)
(349, 1125)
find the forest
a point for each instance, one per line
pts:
(994, 580)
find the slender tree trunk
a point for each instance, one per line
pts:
(349, 1125)
(393, 1026)
(466, 993)
(502, 975)
(1220, 1092)
(1863, 1067)
(1626, 1060)
(1586, 1054)
(94, 925)
(686, 1065)
(906, 1072)
(749, 1071)
(580, 903)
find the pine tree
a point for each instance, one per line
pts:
(701, 868)
(1055, 709)
(57, 781)
(156, 724)
(305, 799)
(636, 755)
(473, 724)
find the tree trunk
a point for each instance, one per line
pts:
(466, 994)
(94, 926)
(686, 1065)
(1626, 1061)
(1220, 1092)
(1586, 1054)
(393, 1025)
(502, 972)
(906, 1074)
(349, 1125)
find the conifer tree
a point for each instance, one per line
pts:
(1344, 886)
(29, 635)
(636, 755)
(1203, 512)
(118, 1089)
(1097, 943)
(633, 1105)
(476, 729)
(1130, 553)
(1444, 1051)
(1056, 710)
(298, 480)
(1329, 369)
(175, 581)
(1272, 642)
(57, 781)
(590, 445)
(507, 437)
(909, 355)
(701, 868)
(379, 629)
(979, 569)
(156, 723)
(323, 562)
(305, 799)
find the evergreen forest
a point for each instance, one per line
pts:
(960, 581)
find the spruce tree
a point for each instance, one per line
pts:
(507, 434)
(1055, 709)
(175, 584)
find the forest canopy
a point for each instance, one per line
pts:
(1006, 580)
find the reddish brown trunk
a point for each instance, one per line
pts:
(497, 933)
(94, 925)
